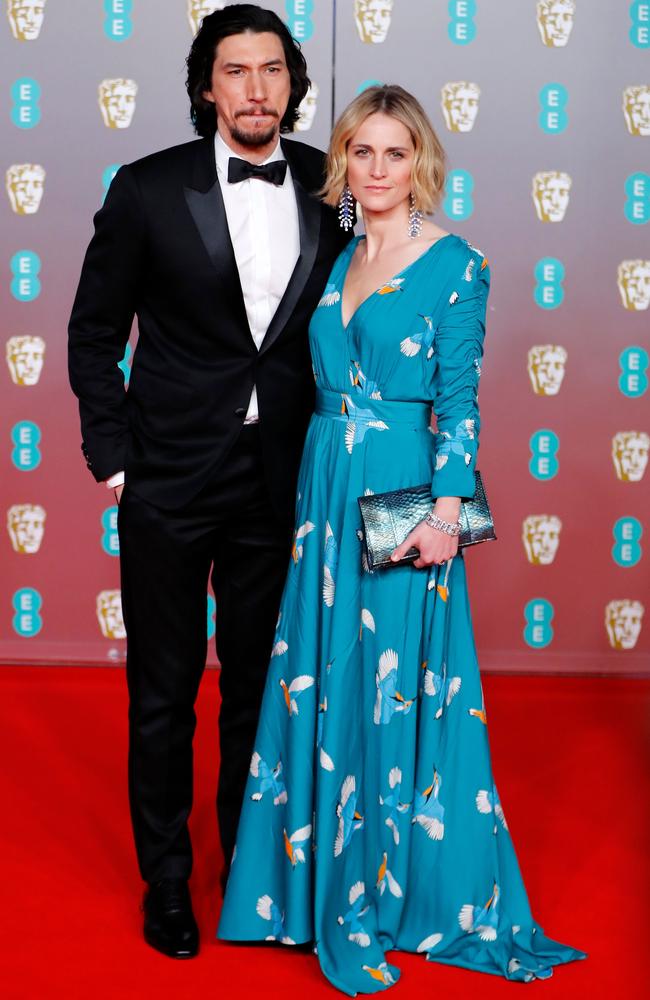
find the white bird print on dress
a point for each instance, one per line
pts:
(360, 421)
(392, 802)
(268, 910)
(356, 931)
(296, 687)
(300, 533)
(269, 779)
(488, 801)
(389, 700)
(367, 621)
(440, 686)
(382, 973)
(481, 920)
(428, 811)
(294, 845)
(349, 819)
(429, 942)
(411, 346)
(330, 563)
(385, 878)
(279, 644)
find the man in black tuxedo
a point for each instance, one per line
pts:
(222, 249)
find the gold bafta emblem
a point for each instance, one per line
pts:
(636, 109)
(25, 183)
(198, 9)
(541, 537)
(109, 614)
(26, 527)
(25, 359)
(460, 105)
(25, 18)
(633, 279)
(117, 102)
(555, 20)
(546, 366)
(551, 194)
(372, 18)
(630, 455)
(307, 109)
(623, 623)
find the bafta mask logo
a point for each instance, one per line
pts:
(633, 280)
(307, 109)
(460, 105)
(636, 109)
(198, 9)
(117, 102)
(546, 365)
(630, 455)
(555, 21)
(25, 359)
(109, 614)
(25, 182)
(541, 538)
(551, 194)
(372, 18)
(623, 623)
(25, 18)
(26, 527)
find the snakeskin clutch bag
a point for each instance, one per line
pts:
(389, 517)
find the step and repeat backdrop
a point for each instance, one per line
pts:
(544, 109)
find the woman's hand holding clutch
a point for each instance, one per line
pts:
(435, 545)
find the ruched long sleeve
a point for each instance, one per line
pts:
(458, 348)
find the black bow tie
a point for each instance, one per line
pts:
(241, 170)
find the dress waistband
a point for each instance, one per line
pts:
(362, 409)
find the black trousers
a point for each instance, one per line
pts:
(166, 557)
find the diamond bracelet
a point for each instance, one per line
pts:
(449, 527)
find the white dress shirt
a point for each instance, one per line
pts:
(263, 225)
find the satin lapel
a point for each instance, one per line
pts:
(205, 202)
(309, 213)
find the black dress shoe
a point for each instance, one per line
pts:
(169, 924)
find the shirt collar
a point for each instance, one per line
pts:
(223, 152)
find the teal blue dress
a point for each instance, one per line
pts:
(371, 819)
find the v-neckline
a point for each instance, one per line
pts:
(372, 294)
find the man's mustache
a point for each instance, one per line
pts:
(257, 111)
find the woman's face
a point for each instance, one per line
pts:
(380, 159)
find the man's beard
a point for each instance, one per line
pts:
(255, 138)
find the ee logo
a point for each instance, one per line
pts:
(110, 537)
(640, 30)
(125, 364)
(543, 447)
(107, 177)
(299, 21)
(553, 117)
(539, 615)
(27, 603)
(637, 203)
(25, 266)
(117, 23)
(26, 455)
(633, 380)
(627, 533)
(25, 112)
(458, 203)
(212, 610)
(461, 28)
(549, 275)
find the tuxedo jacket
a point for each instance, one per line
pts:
(162, 251)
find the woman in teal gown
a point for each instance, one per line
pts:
(371, 819)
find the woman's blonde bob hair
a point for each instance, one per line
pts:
(428, 173)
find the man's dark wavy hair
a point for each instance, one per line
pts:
(234, 20)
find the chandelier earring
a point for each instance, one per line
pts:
(415, 219)
(346, 208)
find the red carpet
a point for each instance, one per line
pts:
(571, 761)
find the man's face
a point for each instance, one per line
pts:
(462, 107)
(373, 19)
(634, 284)
(250, 89)
(25, 359)
(636, 105)
(552, 196)
(555, 21)
(26, 525)
(630, 454)
(25, 187)
(26, 18)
